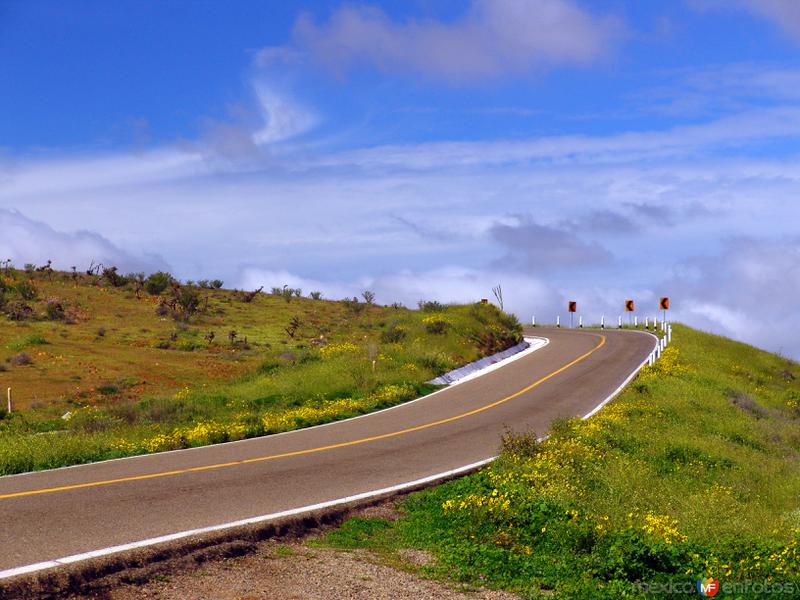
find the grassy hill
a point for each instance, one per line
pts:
(693, 472)
(103, 365)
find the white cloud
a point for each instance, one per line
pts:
(284, 118)
(732, 131)
(493, 38)
(252, 278)
(24, 240)
(748, 290)
(59, 175)
(453, 284)
(539, 248)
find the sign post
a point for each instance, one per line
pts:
(664, 304)
(629, 308)
(572, 307)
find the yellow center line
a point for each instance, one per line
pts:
(309, 450)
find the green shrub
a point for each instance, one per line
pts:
(394, 333)
(435, 325)
(27, 290)
(156, 283)
(187, 301)
(111, 275)
(54, 309)
(32, 339)
(431, 306)
(437, 362)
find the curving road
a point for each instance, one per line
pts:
(50, 515)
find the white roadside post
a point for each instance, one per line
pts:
(580, 322)
(602, 322)
(558, 321)
(635, 321)
(669, 334)
(619, 323)
(533, 320)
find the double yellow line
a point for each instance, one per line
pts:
(365, 440)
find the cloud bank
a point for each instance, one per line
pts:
(24, 240)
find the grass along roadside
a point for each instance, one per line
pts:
(152, 382)
(691, 473)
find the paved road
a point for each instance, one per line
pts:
(59, 513)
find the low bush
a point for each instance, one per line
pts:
(26, 341)
(157, 283)
(431, 306)
(394, 333)
(111, 275)
(187, 301)
(18, 311)
(21, 359)
(435, 325)
(27, 290)
(54, 309)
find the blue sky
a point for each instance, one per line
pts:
(565, 149)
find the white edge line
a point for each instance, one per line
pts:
(250, 521)
(32, 568)
(254, 440)
(623, 384)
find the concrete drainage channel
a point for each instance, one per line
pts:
(138, 562)
(490, 363)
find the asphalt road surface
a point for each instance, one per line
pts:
(53, 514)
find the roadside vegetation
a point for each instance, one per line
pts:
(691, 473)
(104, 365)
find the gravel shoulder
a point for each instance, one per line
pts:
(293, 571)
(290, 569)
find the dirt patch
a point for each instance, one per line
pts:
(418, 558)
(384, 510)
(746, 403)
(292, 571)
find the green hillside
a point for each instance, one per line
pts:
(693, 472)
(103, 365)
